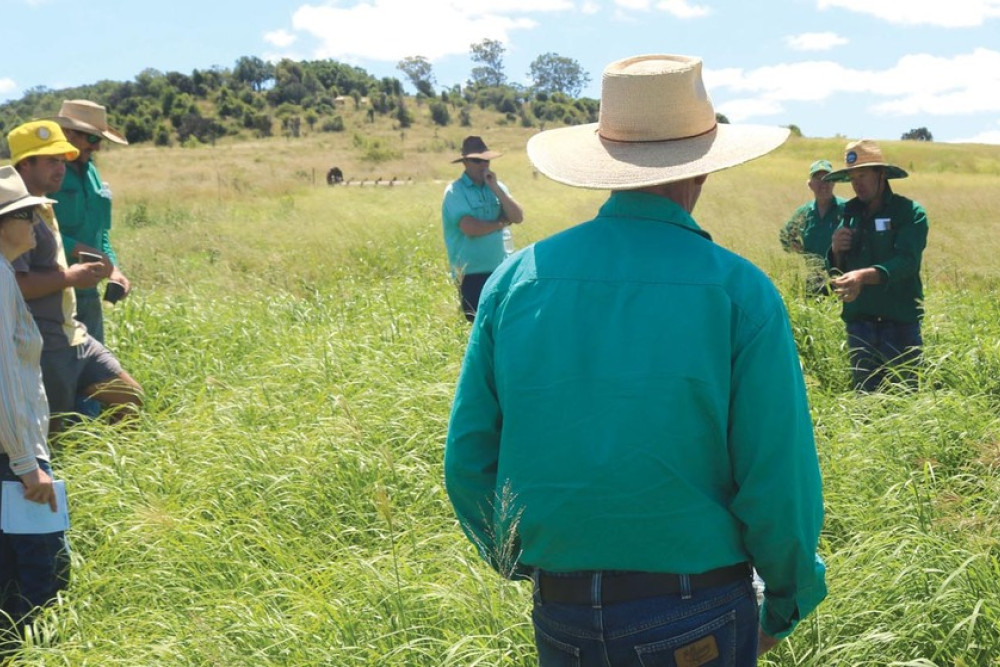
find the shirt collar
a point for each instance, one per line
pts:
(635, 204)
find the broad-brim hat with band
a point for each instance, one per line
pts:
(820, 165)
(89, 117)
(657, 125)
(39, 137)
(475, 147)
(864, 153)
(14, 195)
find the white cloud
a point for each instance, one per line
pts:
(590, 7)
(815, 41)
(682, 9)
(280, 38)
(738, 111)
(917, 85)
(949, 14)
(986, 137)
(389, 30)
(7, 85)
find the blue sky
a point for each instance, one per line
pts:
(854, 68)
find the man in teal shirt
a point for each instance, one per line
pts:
(811, 226)
(630, 427)
(475, 213)
(83, 205)
(878, 251)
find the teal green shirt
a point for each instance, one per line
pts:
(631, 399)
(83, 209)
(471, 254)
(893, 241)
(809, 232)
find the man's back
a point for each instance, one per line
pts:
(629, 353)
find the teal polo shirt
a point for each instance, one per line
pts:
(471, 254)
(631, 399)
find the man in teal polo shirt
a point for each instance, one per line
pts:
(84, 203)
(878, 250)
(630, 427)
(475, 213)
(811, 226)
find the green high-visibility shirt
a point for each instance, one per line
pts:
(631, 399)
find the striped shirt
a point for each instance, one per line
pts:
(24, 410)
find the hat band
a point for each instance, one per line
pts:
(658, 141)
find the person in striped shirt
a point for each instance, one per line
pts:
(33, 568)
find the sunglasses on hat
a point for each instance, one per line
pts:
(21, 214)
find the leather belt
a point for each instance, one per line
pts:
(577, 588)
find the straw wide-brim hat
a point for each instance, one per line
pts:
(14, 195)
(89, 117)
(864, 153)
(656, 125)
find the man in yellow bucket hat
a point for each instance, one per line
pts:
(74, 364)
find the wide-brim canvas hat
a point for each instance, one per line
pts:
(864, 153)
(39, 137)
(89, 117)
(475, 147)
(657, 125)
(14, 195)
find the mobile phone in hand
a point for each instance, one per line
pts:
(90, 257)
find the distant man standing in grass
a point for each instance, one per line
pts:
(630, 427)
(811, 227)
(33, 567)
(83, 203)
(73, 362)
(475, 212)
(877, 251)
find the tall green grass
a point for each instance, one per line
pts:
(279, 501)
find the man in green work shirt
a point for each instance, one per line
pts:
(811, 226)
(84, 204)
(630, 427)
(878, 250)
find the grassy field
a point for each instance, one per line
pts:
(280, 499)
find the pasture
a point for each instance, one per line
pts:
(280, 499)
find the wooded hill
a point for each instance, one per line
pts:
(258, 99)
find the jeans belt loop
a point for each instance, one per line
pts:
(685, 586)
(596, 594)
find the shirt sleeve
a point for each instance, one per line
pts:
(775, 465)
(790, 235)
(472, 448)
(19, 435)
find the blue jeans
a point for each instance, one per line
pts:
(33, 568)
(883, 351)
(714, 627)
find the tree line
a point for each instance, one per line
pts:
(260, 98)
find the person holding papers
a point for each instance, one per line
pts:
(33, 567)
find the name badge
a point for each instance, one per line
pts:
(883, 224)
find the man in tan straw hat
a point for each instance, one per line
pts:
(878, 250)
(83, 204)
(33, 567)
(73, 362)
(630, 427)
(476, 212)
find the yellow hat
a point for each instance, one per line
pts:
(39, 137)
